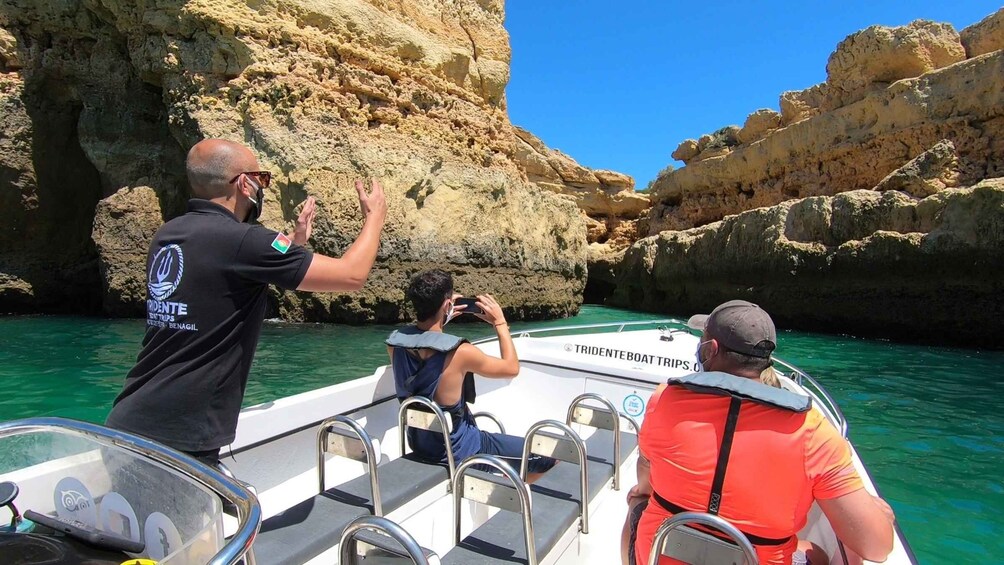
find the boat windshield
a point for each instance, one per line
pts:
(114, 483)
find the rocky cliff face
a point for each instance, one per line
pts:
(608, 201)
(891, 94)
(102, 98)
(863, 262)
(848, 210)
(610, 207)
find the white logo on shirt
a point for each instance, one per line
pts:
(165, 272)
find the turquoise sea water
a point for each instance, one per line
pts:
(927, 421)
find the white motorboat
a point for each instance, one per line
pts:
(329, 458)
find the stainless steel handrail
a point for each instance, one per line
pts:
(634, 423)
(822, 396)
(684, 518)
(580, 446)
(522, 491)
(615, 416)
(246, 503)
(491, 417)
(347, 544)
(371, 461)
(619, 325)
(402, 415)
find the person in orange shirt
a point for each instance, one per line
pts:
(783, 455)
(807, 552)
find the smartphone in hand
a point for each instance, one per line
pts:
(472, 308)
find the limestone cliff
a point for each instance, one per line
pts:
(862, 262)
(891, 94)
(101, 99)
(600, 194)
(861, 206)
(610, 206)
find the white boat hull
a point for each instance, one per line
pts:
(275, 448)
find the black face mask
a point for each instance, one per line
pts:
(256, 203)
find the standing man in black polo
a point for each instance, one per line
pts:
(208, 273)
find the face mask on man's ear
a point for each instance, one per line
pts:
(449, 314)
(699, 364)
(257, 202)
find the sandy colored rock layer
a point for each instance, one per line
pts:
(843, 212)
(600, 194)
(985, 36)
(880, 55)
(850, 148)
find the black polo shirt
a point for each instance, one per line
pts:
(207, 285)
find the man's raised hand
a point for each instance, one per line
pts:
(373, 203)
(305, 221)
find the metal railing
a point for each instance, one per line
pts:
(484, 491)
(248, 509)
(558, 448)
(359, 448)
(634, 423)
(495, 419)
(607, 418)
(819, 394)
(680, 326)
(677, 521)
(408, 546)
(408, 416)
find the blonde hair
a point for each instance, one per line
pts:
(769, 377)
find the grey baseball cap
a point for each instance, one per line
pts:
(740, 326)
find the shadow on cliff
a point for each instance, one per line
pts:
(99, 123)
(53, 252)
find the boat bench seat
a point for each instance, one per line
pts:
(307, 529)
(555, 508)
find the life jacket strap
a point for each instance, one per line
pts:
(715, 499)
(755, 540)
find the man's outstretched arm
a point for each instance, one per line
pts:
(350, 271)
(863, 522)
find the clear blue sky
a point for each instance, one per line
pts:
(618, 84)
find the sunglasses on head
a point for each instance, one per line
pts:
(264, 177)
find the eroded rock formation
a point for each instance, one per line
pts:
(862, 262)
(985, 36)
(102, 98)
(847, 210)
(877, 56)
(891, 94)
(608, 201)
(611, 209)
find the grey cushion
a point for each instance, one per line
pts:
(500, 539)
(400, 480)
(304, 531)
(555, 509)
(307, 529)
(563, 480)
